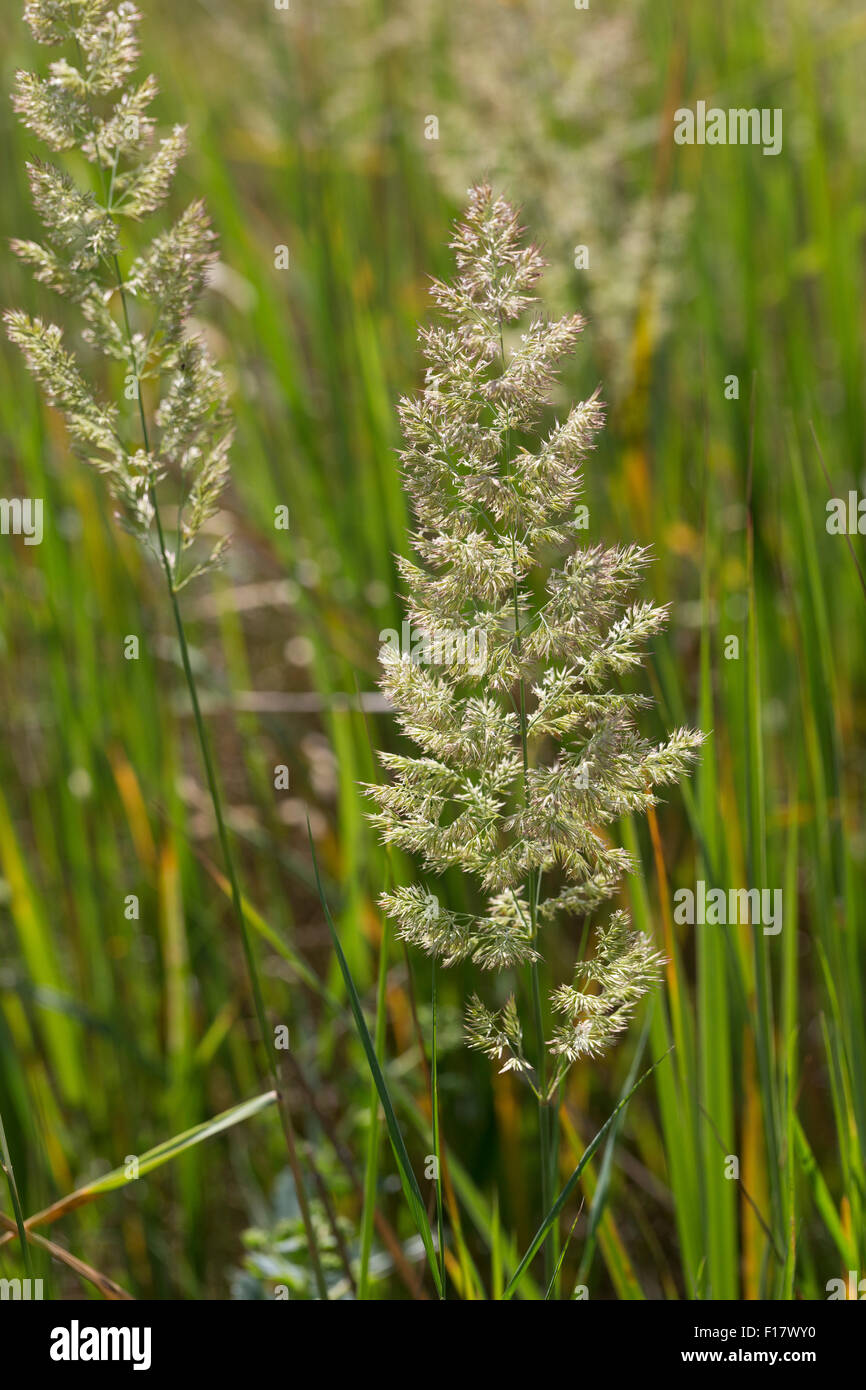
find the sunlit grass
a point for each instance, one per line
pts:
(116, 1033)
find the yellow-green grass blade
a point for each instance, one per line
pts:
(714, 1005)
(675, 1085)
(154, 1158)
(846, 1247)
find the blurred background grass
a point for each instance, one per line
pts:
(308, 131)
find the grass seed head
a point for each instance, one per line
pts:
(91, 101)
(526, 764)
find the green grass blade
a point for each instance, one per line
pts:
(823, 1200)
(541, 1234)
(434, 1097)
(407, 1177)
(180, 1143)
(371, 1171)
(599, 1199)
(9, 1174)
(153, 1158)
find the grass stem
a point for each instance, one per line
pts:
(222, 834)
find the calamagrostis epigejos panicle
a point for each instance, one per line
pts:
(91, 101)
(177, 431)
(527, 755)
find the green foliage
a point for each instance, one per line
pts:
(306, 129)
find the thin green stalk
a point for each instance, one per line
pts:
(537, 1017)
(222, 834)
(535, 980)
(408, 1181)
(434, 1087)
(16, 1201)
(553, 1108)
(756, 846)
(542, 1106)
(371, 1172)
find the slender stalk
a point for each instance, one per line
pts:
(535, 974)
(371, 1172)
(543, 1108)
(9, 1173)
(440, 1225)
(553, 1109)
(222, 835)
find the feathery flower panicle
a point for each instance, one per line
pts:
(91, 102)
(524, 768)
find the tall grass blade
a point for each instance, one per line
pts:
(9, 1174)
(408, 1180)
(542, 1232)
